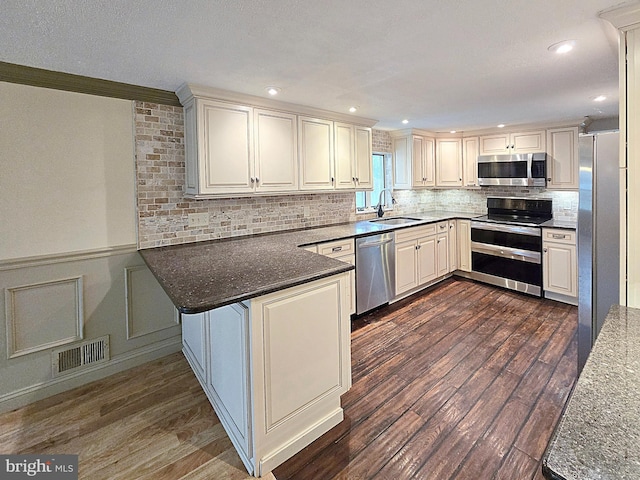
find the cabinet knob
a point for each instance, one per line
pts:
(544, 250)
(257, 179)
(253, 180)
(357, 180)
(548, 179)
(332, 179)
(353, 178)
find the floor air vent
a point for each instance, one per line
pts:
(87, 353)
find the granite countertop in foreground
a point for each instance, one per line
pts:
(205, 275)
(598, 437)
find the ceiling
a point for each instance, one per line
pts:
(443, 65)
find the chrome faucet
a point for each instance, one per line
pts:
(379, 207)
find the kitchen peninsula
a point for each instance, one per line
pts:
(266, 330)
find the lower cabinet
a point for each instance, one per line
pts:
(274, 367)
(560, 265)
(422, 255)
(464, 245)
(343, 250)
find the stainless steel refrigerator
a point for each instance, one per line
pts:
(598, 236)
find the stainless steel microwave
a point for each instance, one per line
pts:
(524, 170)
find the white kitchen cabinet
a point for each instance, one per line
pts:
(422, 256)
(562, 158)
(276, 151)
(316, 143)
(514, 142)
(442, 248)
(413, 162)
(470, 161)
(464, 242)
(453, 245)
(255, 351)
(560, 265)
(343, 250)
(353, 168)
(449, 162)
(218, 148)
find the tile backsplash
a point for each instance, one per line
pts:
(163, 211)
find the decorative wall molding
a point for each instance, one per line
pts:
(40, 260)
(38, 77)
(142, 293)
(43, 315)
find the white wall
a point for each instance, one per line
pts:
(67, 165)
(69, 269)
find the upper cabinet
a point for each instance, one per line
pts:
(316, 154)
(413, 161)
(562, 158)
(239, 145)
(518, 142)
(470, 161)
(276, 152)
(219, 148)
(449, 162)
(352, 156)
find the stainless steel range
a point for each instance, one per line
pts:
(506, 244)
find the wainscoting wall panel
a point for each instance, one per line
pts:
(43, 315)
(149, 310)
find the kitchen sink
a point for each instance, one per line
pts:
(395, 220)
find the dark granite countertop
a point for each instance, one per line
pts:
(205, 275)
(598, 437)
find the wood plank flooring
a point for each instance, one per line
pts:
(465, 381)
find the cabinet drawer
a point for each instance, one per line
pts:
(335, 249)
(413, 233)
(559, 236)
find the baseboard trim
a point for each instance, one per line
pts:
(27, 395)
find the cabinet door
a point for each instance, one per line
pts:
(464, 241)
(402, 163)
(363, 161)
(562, 158)
(315, 137)
(528, 142)
(276, 153)
(560, 269)
(429, 163)
(228, 378)
(494, 144)
(453, 246)
(427, 259)
(344, 155)
(194, 344)
(406, 268)
(418, 161)
(449, 163)
(442, 247)
(225, 139)
(470, 161)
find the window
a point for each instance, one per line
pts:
(368, 201)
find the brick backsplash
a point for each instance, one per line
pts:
(163, 210)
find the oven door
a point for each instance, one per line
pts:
(507, 256)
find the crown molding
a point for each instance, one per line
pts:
(623, 18)
(38, 77)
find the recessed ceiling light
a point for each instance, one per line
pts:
(453, 131)
(272, 90)
(501, 125)
(353, 109)
(562, 47)
(599, 98)
(405, 121)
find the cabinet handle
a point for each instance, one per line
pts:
(559, 236)
(336, 249)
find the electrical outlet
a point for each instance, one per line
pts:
(198, 219)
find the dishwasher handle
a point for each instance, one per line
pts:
(374, 244)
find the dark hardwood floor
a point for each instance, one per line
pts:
(464, 381)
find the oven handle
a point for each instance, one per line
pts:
(506, 252)
(497, 227)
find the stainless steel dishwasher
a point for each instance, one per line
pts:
(375, 271)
